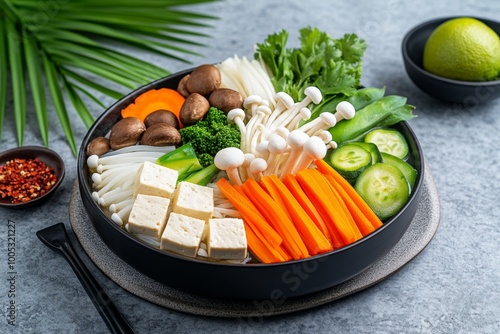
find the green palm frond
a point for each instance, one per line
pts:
(56, 47)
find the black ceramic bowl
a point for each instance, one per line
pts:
(448, 90)
(47, 156)
(243, 281)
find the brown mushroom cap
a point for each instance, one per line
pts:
(126, 132)
(204, 80)
(181, 87)
(161, 134)
(98, 146)
(193, 109)
(162, 116)
(226, 99)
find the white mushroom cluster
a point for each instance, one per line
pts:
(273, 141)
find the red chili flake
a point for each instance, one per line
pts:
(22, 180)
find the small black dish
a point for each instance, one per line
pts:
(49, 157)
(448, 90)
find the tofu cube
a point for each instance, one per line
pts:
(155, 180)
(182, 234)
(226, 239)
(149, 215)
(194, 200)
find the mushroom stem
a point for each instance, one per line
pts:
(121, 217)
(325, 121)
(277, 146)
(230, 159)
(296, 140)
(115, 207)
(314, 148)
(237, 116)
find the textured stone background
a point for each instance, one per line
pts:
(452, 287)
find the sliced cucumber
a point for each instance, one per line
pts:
(350, 160)
(384, 188)
(372, 148)
(408, 171)
(389, 141)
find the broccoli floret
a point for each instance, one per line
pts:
(210, 135)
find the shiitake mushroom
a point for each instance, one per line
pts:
(226, 99)
(204, 80)
(161, 134)
(98, 146)
(162, 116)
(194, 108)
(182, 86)
(126, 132)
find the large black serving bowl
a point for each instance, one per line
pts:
(243, 281)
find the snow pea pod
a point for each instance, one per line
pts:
(391, 107)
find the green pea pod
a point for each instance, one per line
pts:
(391, 107)
(359, 100)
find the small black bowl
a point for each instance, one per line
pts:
(252, 281)
(47, 156)
(448, 90)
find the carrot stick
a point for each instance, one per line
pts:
(363, 223)
(292, 242)
(334, 195)
(325, 168)
(294, 187)
(267, 185)
(257, 247)
(324, 199)
(152, 100)
(250, 213)
(314, 239)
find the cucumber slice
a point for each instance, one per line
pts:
(389, 141)
(350, 160)
(408, 171)
(384, 188)
(372, 148)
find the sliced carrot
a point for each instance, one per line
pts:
(267, 185)
(338, 224)
(314, 239)
(364, 225)
(152, 100)
(257, 247)
(249, 212)
(292, 242)
(339, 203)
(294, 187)
(325, 168)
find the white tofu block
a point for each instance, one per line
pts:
(226, 239)
(155, 180)
(149, 215)
(182, 234)
(194, 200)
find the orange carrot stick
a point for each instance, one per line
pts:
(152, 100)
(327, 201)
(325, 168)
(363, 223)
(334, 195)
(294, 187)
(314, 239)
(249, 212)
(257, 247)
(267, 185)
(292, 242)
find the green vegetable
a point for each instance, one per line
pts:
(203, 176)
(372, 148)
(332, 65)
(384, 188)
(183, 159)
(389, 109)
(408, 171)
(350, 160)
(389, 141)
(210, 135)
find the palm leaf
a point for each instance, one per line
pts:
(70, 50)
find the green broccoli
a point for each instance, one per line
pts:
(210, 135)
